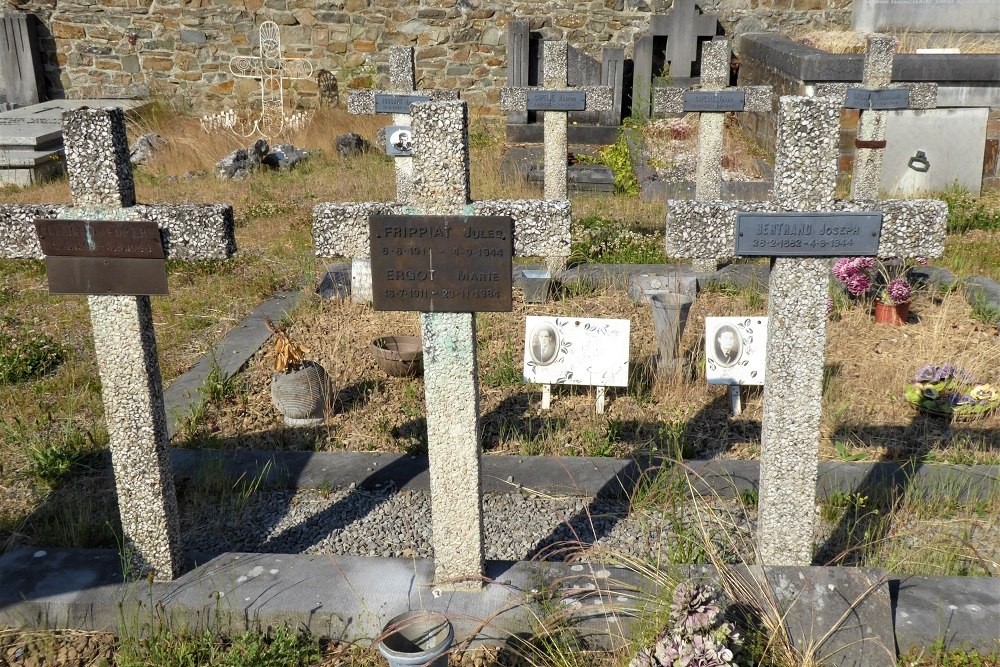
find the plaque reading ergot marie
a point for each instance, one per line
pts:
(723, 100)
(877, 100)
(107, 257)
(808, 234)
(386, 103)
(441, 263)
(556, 100)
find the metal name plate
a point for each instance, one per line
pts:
(442, 263)
(808, 234)
(722, 100)
(99, 238)
(557, 100)
(385, 103)
(878, 100)
(106, 276)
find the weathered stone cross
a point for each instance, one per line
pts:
(441, 187)
(271, 69)
(100, 180)
(556, 100)
(805, 173)
(397, 100)
(713, 98)
(874, 97)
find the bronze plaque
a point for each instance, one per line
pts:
(99, 238)
(106, 276)
(442, 263)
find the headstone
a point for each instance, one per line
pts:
(272, 69)
(21, 79)
(100, 181)
(713, 98)
(685, 27)
(555, 99)
(952, 143)
(926, 16)
(329, 89)
(804, 183)
(540, 228)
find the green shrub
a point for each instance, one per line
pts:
(967, 212)
(597, 239)
(26, 354)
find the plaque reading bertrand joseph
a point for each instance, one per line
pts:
(807, 234)
(441, 263)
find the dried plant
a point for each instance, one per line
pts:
(288, 354)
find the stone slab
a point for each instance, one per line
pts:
(335, 282)
(29, 136)
(961, 612)
(742, 275)
(926, 15)
(227, 357)
(980, 290)
(27, 159)
(953, 141)
(642, 285)
(50, 113)
(534, 133)
(29, 175)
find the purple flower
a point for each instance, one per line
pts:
(926, 373)
(829, 305)
(899, 290)
(858, 284)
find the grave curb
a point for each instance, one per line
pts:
(82, 589)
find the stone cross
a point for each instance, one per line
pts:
(805, 172)
(402, 81)
(870, 141)
(441, 187)
(711, 121)
(555, 76)
(100, 181)
(271, 69)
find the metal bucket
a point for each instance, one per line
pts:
(417, 639)
(670, 313)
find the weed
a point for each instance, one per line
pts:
(749, 498)
(967, 212)
(26, 354)
(603, 240)
(672, 441)
(279, 647)
(503, 371)
(985, 312)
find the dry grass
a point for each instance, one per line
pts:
(848, 41)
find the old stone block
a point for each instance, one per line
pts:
(69, 31)
(130, 64)
(193, 36)
(364, 46)
(158, 64)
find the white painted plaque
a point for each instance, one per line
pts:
(576, 350)
(735, 349)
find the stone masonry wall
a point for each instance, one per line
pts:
(180, 49)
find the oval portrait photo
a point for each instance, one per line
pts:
(543, 344)
(402, 140)
(728, 346)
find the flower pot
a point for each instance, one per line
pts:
(894, 314)
(417, 639)
(399, 356)
(301, 394)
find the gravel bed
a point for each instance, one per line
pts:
(387, 523)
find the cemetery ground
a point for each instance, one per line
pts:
(57, 491)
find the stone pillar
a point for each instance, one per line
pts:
(403, 79)
(554, 69)
(877, 73)
(711, 133)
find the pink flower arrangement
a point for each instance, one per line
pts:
(858, 273)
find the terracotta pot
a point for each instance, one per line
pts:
(302, 394)
(400, 356)
(892, 314)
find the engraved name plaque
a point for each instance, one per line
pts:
(556, 100)
(807, 234)
(385, 103)
(878, 100)
(441, 264)
(723, 100)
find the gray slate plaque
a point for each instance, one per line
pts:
(557, 100)
(808, 234)
(722, 100)
(442, 263)
(385, 103)
(889, 98)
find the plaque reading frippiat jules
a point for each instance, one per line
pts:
(722, 100)
(386, 103)
(556, 100)
(441, 264)
(808, 234)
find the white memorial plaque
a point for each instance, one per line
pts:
(576, 350)
(735, 350)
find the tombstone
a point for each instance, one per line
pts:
(525, 69)
(100, 180)
(441, 188)
(712, 100)
(329, 89)
(800, 230)
(673, 38)
(556, 100)
(21, 79)
(926, 16)
(272, 69)
(875, 95)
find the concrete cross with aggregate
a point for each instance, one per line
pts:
(102, 188)
(805, 173)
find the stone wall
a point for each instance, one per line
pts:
(180, 49)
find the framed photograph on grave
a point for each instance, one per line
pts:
(399, 141)
(574, 350)
(735, 350)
